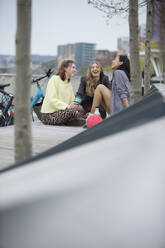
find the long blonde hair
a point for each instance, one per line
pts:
(91, 84)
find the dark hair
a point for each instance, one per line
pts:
(61, 69)
(125, 66)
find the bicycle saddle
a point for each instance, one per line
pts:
(2, 86)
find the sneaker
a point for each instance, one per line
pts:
(93, 120)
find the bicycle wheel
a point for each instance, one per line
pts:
(10, 120)
(2, 116)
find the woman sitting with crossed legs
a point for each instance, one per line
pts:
(94, 90)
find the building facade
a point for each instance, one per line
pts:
(105, 57)
(123, 42)
(85, 53)
(65, 52)
(123, 45)
(82, 53)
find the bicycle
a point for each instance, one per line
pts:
(6, 102)
(6, 107)
(37, 100)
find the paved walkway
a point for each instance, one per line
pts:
(44, 137)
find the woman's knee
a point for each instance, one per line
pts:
(100, 87)
(103, 90)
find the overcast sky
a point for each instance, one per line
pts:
(56, 22)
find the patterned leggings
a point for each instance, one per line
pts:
(61, 117)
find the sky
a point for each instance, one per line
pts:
(59, 22)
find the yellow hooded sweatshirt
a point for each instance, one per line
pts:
(59, 94)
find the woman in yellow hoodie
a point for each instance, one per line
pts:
(57, 108)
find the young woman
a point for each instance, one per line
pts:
(88, 88)
(121, 88)
(119, 98)
(56, 108)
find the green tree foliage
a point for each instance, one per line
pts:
(142, 62)
(154, 45)
(107, 68)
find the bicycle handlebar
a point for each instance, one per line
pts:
(5, 93)
(48, 73)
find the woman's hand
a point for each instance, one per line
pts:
(125, 102)
(74, 104)
(69, 106)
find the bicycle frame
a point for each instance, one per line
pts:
(9, 101)
(39, 94)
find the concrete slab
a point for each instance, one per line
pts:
(43, 138)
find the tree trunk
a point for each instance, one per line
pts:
(163, 61)
(134, 51)
(162, 36)
(22, 117)
(149, 31)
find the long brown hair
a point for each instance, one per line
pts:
(91, 84)
(61, 69)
